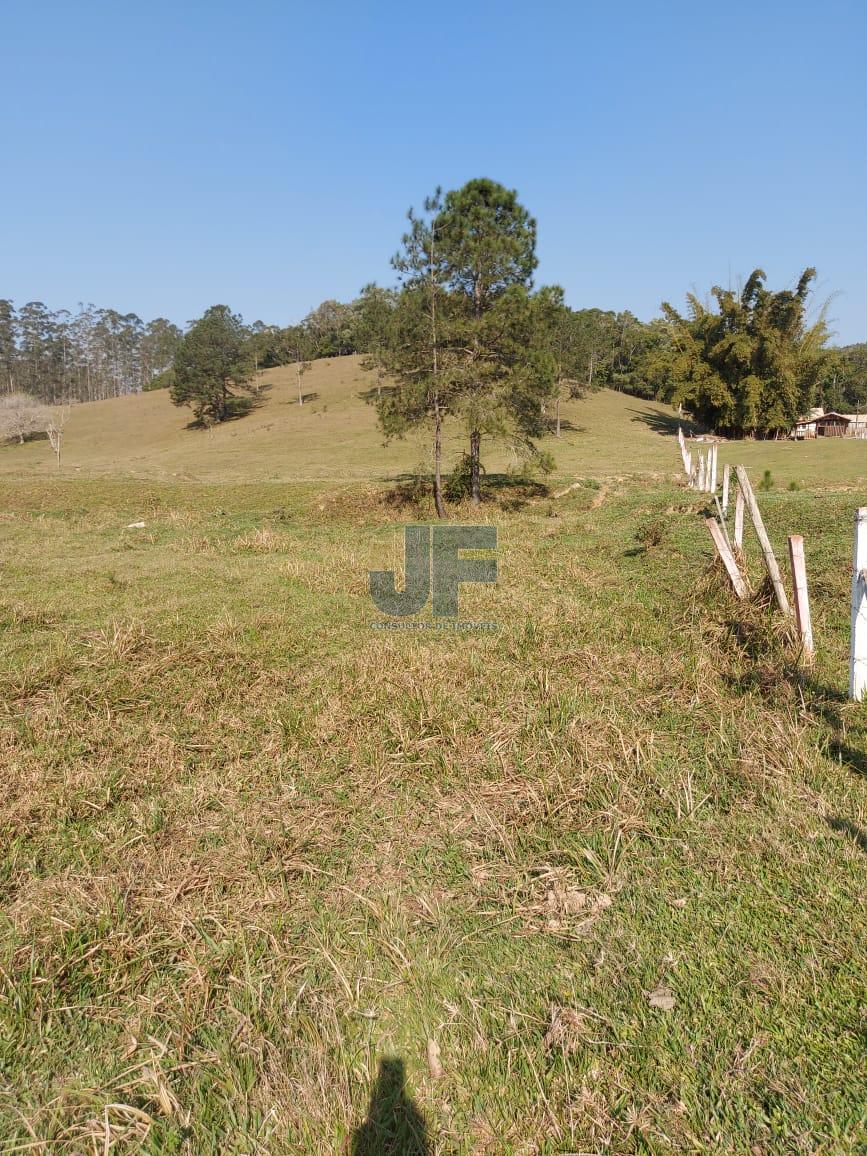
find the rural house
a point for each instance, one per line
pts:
(819, 424)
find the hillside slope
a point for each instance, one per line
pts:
(334, 437)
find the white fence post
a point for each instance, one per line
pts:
(802, 601)
(725, 497)
(726, 557)
(739, 518)
(701, 471)
(858, 652)
(713, 453)
(762, 535)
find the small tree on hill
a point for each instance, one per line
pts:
(300, 343)
(56, 418)
(375, 312)
(212, 361)
(557, 331)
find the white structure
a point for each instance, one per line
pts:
(858, 643)
(831, 424)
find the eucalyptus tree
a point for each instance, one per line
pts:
(158, 345)
(331, 326)
(300, 345)
(85, 355)
(8, 348)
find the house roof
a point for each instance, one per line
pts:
(833, 416)
(830, 415)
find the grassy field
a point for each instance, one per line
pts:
(274, 881)
(333, 438)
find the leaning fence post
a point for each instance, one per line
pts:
(802, 601)
(725, 497)
(858, 642)
(727, 558)
(739, 518)
(765, 543)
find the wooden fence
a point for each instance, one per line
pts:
(701, 469)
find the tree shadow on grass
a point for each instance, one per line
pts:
(566, 426)
(665, 423)
(512, 493)
(411, 491)
(827, 702)
(850, 830)
(822, 701)
(373, 394)
(236, 408)
(392, 1125)
(851, 758)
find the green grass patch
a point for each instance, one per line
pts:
(255, 855)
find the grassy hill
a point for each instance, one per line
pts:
(333, 437)
(261, 864)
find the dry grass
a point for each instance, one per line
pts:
(252, 848)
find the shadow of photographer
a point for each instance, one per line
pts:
(392, 1125)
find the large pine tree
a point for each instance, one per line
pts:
(211, 363)
(487, 258)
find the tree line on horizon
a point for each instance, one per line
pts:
(88, 355)
(466, 336)
(463, 336)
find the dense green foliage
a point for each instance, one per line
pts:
(751, 365)
(749, 362)
(212, 361)
(162, 380)
(844, 386)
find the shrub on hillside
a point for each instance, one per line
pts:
(21, 416)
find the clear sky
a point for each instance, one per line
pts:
(162, 157)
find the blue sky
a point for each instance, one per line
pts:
(161, 157)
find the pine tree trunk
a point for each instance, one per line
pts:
(475, 455)
(438, 463)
